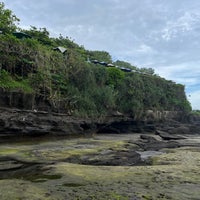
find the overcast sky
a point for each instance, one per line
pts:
(161, 34)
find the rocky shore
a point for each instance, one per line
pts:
(111, 166)
(19, 122)
(157, 131)
(55, 156)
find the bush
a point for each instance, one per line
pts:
(8, 82)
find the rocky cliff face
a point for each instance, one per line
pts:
(26, 101)
(16, 99)
(25, 115)
(16, 122)
(151, 115)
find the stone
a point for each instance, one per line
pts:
(168, 136)
(148, 138)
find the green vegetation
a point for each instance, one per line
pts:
(14, 83)
(196, 112)
(68, 82)
(7, 20)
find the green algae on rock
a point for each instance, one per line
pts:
(173, 174)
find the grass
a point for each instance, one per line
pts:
(8, 82)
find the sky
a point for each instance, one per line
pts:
(160, 34)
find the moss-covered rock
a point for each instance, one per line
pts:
(45, 174)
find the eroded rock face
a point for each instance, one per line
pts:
(151, 115)
(16, 99)
(15, 122)
(30, 123)
(26, 101)
(126, 126)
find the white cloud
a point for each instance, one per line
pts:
(143, 48)
(186, 23)
(184, 73)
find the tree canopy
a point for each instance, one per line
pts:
(70, 83)
(7, 20)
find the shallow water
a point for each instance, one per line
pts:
(148, 154)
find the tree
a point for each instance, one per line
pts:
(149, 71)
(124, 64)
(114, 77)
(7, 20)
(41, 34)
(101, 56)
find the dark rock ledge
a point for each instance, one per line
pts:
(17, 122)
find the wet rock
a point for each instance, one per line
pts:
(155, 145)
(121, 126)
(168, 136)
(11, 168)
(9, 164)
(148, 138)
(183, 129)
(108, 158)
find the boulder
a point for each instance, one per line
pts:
(167, 136)
(156, 145)
(183, 129)
(148, 138)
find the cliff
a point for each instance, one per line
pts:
(57, 75)
(35, 76)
